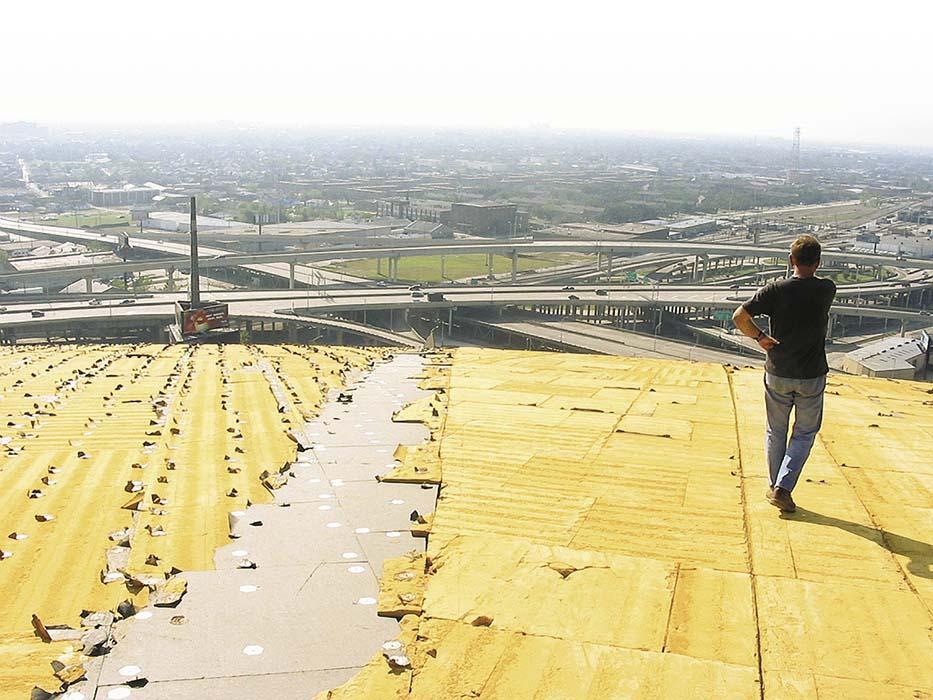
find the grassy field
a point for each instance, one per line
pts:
(428, 268)
(91, 218)
(845, 215)
(853, 277)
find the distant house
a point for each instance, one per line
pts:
(429, 228)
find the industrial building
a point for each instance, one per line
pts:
(693, 226)
(894, 358)
(123, 196)
(179, 221)
(429, 228)
(917, 245)
(485, 218)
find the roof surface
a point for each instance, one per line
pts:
(602, 533)
(120, 407)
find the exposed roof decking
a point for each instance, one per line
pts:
(56, 571)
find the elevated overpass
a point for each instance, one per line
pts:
(215, 258)
(286, 304)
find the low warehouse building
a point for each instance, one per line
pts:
(895, 358)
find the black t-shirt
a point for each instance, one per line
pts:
(799, 312)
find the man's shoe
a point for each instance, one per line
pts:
(780, 498)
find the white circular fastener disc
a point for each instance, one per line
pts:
(143, 615)
(119, 693)
(248, 588)
(130, 670)
(362, 531)
(252, 650)
(366, 601)
(324, 507)
(394, 533)
(349, 555)
(397, 502)
(333, 525)
(239, 552)
(356, 569)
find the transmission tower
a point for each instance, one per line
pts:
(795, 157)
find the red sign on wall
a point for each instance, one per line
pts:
(204, 319)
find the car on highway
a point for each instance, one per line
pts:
(602, 292)
(128, 301)
(415, 288)
(417, 294)
(436, 296)
(568, 288)
(573, 297)
(36, 313)
(382, 283)
(94, 302)
(735, 286)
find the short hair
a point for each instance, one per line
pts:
(806, 250)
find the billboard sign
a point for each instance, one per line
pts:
(194, 321)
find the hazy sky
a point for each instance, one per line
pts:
(843, 71)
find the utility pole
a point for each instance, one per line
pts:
(195, 283)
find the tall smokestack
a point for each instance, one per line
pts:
(195, 283)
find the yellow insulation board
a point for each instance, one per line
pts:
(602, 532)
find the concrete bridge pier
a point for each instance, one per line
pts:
(443, 261)
(514, 266)
(170, 279)
(609, 265)
(291, 275)
(88, 284)
(489, 268)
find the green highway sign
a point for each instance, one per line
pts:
(722, 315)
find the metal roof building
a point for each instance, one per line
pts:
(898, 357)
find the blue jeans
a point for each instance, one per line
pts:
(805, 396)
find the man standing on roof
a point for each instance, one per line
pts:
(795, 372)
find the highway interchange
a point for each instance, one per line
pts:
(319, 302)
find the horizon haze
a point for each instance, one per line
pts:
(722, 69)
